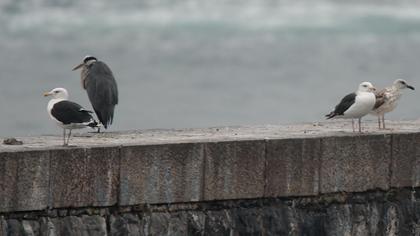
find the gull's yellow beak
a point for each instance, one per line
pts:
(46, 94)
(78, 66)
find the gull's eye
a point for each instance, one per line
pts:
(55, 91)
(365, 85)
(402, 82)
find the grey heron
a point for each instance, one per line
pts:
(68, 115)
(99, 82)
(387, 100)
(355, 105)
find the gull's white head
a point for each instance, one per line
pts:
(58, 93)
(402, 84)
(366, 87)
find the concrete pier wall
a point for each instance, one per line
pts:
(260, 180)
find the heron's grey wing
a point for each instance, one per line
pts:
(107, 83)
(102, 91)
(381, 98)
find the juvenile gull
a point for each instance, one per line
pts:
(355, 105)
(67, 114)
(99, 82)
(387, 100)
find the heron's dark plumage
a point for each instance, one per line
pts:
(68, 112)
(343, 106)
(102, 90)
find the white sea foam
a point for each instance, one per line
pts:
(251, 14)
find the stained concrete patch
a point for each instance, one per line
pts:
(24, 180)
(161, 173)
(355, 164)
(292, 167)
(405, 160)
(234, 170)
(84, 177)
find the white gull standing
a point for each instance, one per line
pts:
(387, 100)
(355, 105)
(67, 114)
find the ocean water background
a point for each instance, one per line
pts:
(197, 63)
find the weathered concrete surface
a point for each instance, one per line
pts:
(368, 213)
(355, 163)
(84, 177)
(24, 182)
(405, 160)
(292, 167)
(234, 170)
(161, 174)
(149, 137)
(195, 165)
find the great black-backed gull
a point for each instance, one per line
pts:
(387, 100)
(355, 105)
(99, 82)
(67, 114)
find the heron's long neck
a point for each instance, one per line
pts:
(83, 75)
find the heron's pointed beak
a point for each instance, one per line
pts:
(410, 87)
(78, 66)
(46, 94)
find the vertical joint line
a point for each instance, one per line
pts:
(391, 160)
(49, 201)
(265, 167)
(203, 171)
(119, 175)
(321, 144)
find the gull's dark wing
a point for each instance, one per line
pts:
(343, 106)
(69, 112)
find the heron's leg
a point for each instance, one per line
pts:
(352, 124)
(383, 121)
(68, 139)
(64, 137)
(379, 121)
(99, 130)
(360, 125)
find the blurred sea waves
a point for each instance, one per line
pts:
(185, 63)
(62, 16)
